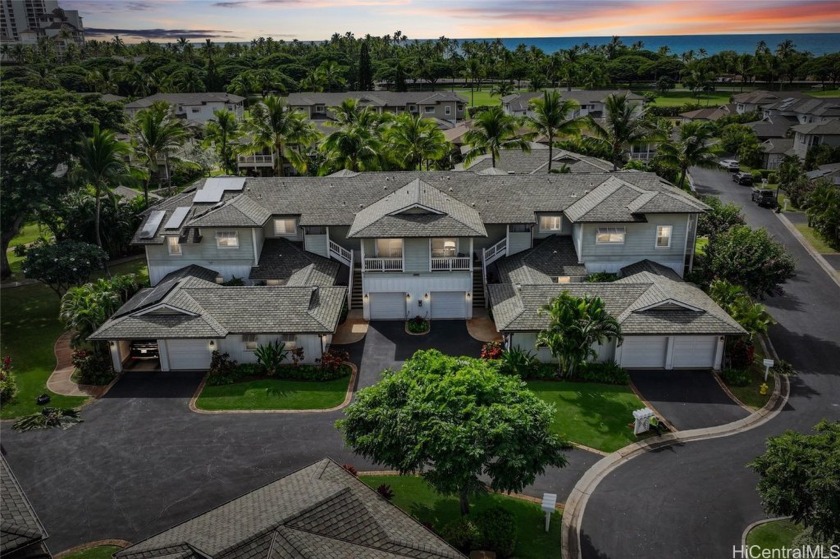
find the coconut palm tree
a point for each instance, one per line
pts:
(157, 133)
(354, 148)
(501, 90)
(221, 130)
(625, 125)
(493, 130)
(287, 132)
(101, 163)
(550, 120)
(692, 149)
(413, 140)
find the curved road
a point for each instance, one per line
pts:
(695, 500)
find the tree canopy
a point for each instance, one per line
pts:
(454, 419)
(62, 265)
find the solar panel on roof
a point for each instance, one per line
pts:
(152, 224)
(177, 218)
(214, 188)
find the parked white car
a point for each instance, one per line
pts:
(730, 164)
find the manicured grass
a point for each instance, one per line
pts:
(28, 234)
(29, 329)
(825, 93)
(814, 238)
(594, 415)
(98, 552)
(481, 97)
(777, 534)
(415, 497)
(750, 394)
(678, 98)
(274, 394)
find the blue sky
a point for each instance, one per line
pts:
(242, 20)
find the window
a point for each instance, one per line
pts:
(551, 222)
(250, 341)
(227, 239)
(290, 341)
(285, 227)
(442, 248)
(663, 236)
(389, 248)
(174, 246)
(320, 109)
(195, 109)
(519, 228)
(315, 230)
(412, 108)
(447, 110)
(610, 235)
(429, 110)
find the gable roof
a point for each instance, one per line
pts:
(830, 128)
(777, 145)
(185, 99)
(373, 98)
(536, 161)
(320, 511)
(553, 257)
(19, 525)
(520, 101)
(282, 260)
(417, 210)
(775, 126)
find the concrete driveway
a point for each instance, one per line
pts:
(142, 462)
(687, 399)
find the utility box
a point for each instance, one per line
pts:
(549, 502)
(641, 423)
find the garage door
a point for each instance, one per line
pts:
(188, 354)
(696, 352)
(449, 305)
(644, 352)
(387, 306)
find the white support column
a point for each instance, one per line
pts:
(254, 242)
(669, 354)
(719, 353)
(163, 351)
(116, 359)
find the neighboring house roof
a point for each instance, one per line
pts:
(651, 267)
(240, 211)
(504, 199)
(318, 512)
(806, 106)
(373, 98)
(777, 145)
(110, 98)
(417, 210)
(20, 529)
(830, 128)
(553, 257)
(184, 305)
(536, 161)
(186, 99)
(710, 113)
(643, 303)
(456, 133)
(131, 194)
(284, 261)
(519, 102)
(831, 170)
(776, 126)
(761, 96)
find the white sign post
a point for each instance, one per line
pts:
(767, 364)
(549, 502)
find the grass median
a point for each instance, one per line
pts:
(274, 394)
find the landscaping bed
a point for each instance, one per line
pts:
(776, 534)
(415, 497)
(749, 393)
(98, 552)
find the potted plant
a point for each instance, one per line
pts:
(417, 325)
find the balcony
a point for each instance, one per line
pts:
(451, 264)
(382, 265)
(258, 160)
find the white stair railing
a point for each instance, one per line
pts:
(340, 253)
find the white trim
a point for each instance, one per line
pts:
(170, 245)
(218, 238)
(552, 217)
(416, 206)
(163, 306)
(254, 242)
(611, 231)
(670, 229)
(669, 302)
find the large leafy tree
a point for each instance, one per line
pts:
(413, 140)
(823, 207)
(692, 149)
(800, 478)
(493, 131)
(287, 132)
(456, 420)
(625, 125)
(62, 265)
(550, 119)
(223, 129)
(39, 129)
(722, 217)
(575, 325)
(158, 133)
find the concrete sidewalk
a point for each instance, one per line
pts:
(60, 381)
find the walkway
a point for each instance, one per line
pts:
(482, 328)
(60, 381)
(351, 330)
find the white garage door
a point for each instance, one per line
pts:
(387, 306)
(694, 352)
(449, 304)
(188, 354)
(644, 352)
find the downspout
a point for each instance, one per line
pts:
(254, 241)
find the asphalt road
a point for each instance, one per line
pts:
(695, 500)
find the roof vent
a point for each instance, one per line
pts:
(361, 205)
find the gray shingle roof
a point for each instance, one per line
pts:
(185, 99)
(196, 308)
(372, 98)
(319, 512)
(240, 211)
(777, 145)
(283, 260)
(776, 126)
(520, 101)
(417, 210)
(19, 525)
(830, 128)
(652, 267)
(536, 161)
(553, 257)
(644, 303)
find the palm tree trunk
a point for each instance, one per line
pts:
(96, 225)
(464, 500)
(550, 150)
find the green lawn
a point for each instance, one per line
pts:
(777, 534)
(98, 552)
(29, 329)
(679, 98)
(814, 238)
(274, 394)
(594, 415)
(825, 93)
(480, 97)
(28, 234)
(417, 498)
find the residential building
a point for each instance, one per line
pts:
(317, 512)
(194, 107)
(21, 533)
(756, 101)
(773, 127)
(806, 110)
(808, 136)
(709, 114)
(590, 102)
(445, 107)
(61, 27)
(396, 245)
(830, 172)
(518, 162)
(774, 151)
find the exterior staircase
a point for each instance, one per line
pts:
(356, 297)
(477, 290)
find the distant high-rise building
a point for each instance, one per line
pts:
(26, 21)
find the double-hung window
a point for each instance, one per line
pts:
(174, 246)
(443, 248)
(663, 236)
(289, 341)
(429, 110)
(389, 248)
(610, 236)
(550, 222)
(227, 239)
(447, 110)
(250, 341)
(285, 227)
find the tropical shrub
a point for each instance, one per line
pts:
(608, 372)
(782, 367)
(223, 369)
(753, 317)
(62, 265)
(234, 282)
(735, 377)
(496, 531)
(517, 361)
(333, 359)
(313, 372)
(823, 207)
(461, 534)
(271, 355)
(418, 325)
(386, 491)
(741, 353)
(351, 469)
(601, 277)
(722, 217)
(93, 367)
(8, 386)
(492, 350)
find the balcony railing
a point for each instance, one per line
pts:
(340, 253)
(450, 264)
(495, 252)
(258, 159)
(383, 265)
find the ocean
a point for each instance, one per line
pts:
(815, 43)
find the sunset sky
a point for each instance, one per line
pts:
(242, 20)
